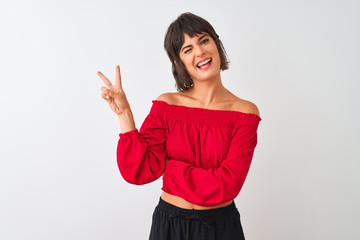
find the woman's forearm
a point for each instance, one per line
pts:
(126, 121)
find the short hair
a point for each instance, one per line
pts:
(190, 24)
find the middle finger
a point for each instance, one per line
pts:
(105, 80)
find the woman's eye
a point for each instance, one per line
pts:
(205, 41)
(187, 51)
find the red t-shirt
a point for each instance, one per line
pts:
(210, 151)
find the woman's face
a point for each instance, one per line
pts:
(200, 56)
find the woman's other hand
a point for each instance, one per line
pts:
(114, 94)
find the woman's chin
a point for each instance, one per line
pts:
(207, 75)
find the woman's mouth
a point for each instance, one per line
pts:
(204, 64)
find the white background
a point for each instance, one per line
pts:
(298, 61)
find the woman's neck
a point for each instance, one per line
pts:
(207, 93)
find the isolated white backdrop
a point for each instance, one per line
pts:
(298, 61)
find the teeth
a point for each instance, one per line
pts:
(204, 62)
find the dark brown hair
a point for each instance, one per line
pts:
(190, 24)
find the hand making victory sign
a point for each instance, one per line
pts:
(115, 95)
(116, 98)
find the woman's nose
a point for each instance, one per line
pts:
(199, 51)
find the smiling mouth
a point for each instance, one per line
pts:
(204, 64)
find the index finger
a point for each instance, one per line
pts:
(117, 77)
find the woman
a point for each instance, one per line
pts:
(201, 139)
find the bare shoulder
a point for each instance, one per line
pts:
(247, 107)
(166, 97)
(252, 108)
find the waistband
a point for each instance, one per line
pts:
(213, 214)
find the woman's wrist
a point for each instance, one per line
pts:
(127, 122)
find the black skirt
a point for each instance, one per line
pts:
(170, 222)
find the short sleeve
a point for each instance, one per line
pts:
(141, 153)
(213, 186)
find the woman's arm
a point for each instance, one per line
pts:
(141, 153)
(209, 187)
(127, 122)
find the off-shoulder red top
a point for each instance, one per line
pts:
(210, 151)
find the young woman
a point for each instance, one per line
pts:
(201, 139)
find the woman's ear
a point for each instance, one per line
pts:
(175, 63)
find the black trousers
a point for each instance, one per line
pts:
(170, 222)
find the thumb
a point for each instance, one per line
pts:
(109, 93)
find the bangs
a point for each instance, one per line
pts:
(191, 27)
(190, 24)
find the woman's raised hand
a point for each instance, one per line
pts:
(114, 94)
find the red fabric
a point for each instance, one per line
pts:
(210, 151)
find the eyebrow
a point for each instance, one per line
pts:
(198, 40)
